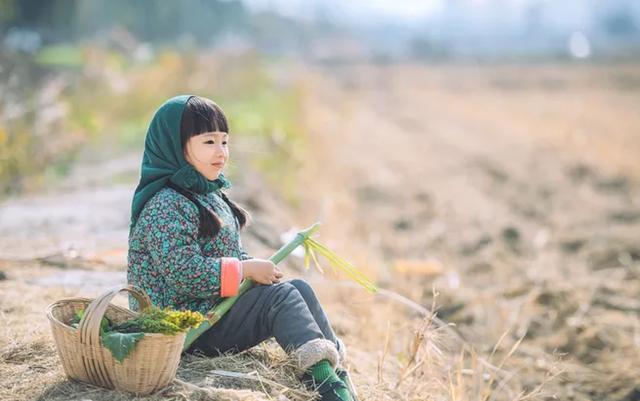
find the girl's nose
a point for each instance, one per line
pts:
(219, 151)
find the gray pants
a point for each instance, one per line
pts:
(288, 311)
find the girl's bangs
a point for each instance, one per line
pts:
(204, 116)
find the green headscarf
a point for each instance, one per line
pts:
(163, 159)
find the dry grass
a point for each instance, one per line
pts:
(412, 364)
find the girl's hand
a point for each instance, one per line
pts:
(261, 271)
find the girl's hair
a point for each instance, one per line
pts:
(202, 115)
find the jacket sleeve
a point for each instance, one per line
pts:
(172, 241)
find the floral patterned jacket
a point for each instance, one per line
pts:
(168, 260)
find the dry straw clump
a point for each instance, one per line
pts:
(431, 361)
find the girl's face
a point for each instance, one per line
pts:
(208, 153)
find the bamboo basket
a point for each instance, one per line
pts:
(151, 366)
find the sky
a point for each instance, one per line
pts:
(401, 9)
(575, 26)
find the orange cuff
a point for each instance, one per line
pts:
(230, 276)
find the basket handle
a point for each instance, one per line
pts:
(89, 326)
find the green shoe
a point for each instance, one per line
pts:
(343, 374)
(329, 391)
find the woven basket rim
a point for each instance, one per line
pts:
(59, 303)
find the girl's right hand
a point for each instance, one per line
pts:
(261, 271)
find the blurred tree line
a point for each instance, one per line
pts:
(30, 24)
(153, 21)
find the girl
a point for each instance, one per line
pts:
(185, 250)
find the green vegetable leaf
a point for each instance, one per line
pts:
(77, 317)
(104, 325)
(120, 344)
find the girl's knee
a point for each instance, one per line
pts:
(273, 288)
(285, 286)
(283, 289)
(267, 294)
(302, 286)
(276, 295)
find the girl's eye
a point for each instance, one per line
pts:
(209, 142)
(224, 143)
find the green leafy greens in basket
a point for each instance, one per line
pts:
(121, 338)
